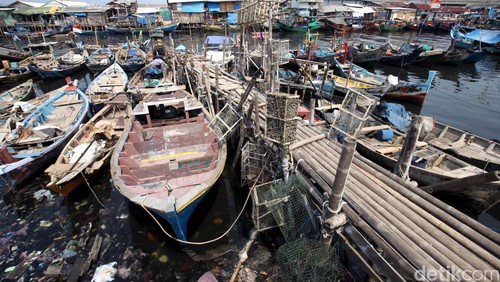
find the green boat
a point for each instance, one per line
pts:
(292, 24)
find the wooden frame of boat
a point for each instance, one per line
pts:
(170, 158)
(131, 61)
(91, 147)
(107, 85)
(143, 83)
(466, 146)
(21, 92)
(42, 135)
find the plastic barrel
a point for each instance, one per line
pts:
(384, 134)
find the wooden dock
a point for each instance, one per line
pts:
(395, 230)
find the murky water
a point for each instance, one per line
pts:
(39, 233)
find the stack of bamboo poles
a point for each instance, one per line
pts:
(414, 230)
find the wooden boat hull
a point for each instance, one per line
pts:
(27, 92)
(368, 58)
(100, 91)
(60, 73)
(474, 56)
(67, 176)
(401, 60)
(4, 79)
(178, 175)
(466, 146)
(299, 28)
(414, 93)
(12, 54)
(429, 59)
(166, 28)
(476, 196)
(16, 171)
(454, 58)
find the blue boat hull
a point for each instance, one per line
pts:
(62, 73)
(28, 165)
(401, 61)
(179, 221)
(132, 67)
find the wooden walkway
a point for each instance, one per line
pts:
(397, 231)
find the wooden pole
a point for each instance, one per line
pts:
(403, 164)
(344, 166)
(209, 94)
(312, 107)
(461, 184)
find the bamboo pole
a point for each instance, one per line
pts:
(403, 164)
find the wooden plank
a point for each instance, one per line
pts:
(374, 128)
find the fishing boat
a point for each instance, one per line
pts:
(363, 55)
(429, 58)
(357, 73)
(170, 158)
(106, 86)
(152, 78)
(166, 28)
(42, 135)
(90, 149)
(464, 145)
(411, 92)
(100, 60)
(483, 38)
(53, 68)
(130, 57)
(475, 55)
(454, 57)
(12, 54)
(380, 143)
(295, 23)
(15, 73)
(402, 56)
(218, 49)
(391, 25)
(74, 57)
(22, 92)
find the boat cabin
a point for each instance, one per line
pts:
(172, 107)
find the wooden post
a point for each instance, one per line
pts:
(312, 107)
(256, 112)
(344, 166)
(216, 89)
(404, 161)
(209, 94)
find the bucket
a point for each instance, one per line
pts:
(6, 64)
(384, 135)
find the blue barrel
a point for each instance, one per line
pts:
(384, 135)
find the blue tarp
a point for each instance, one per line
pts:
(76, 14)
(195, 7)
(236, 6)
(217, 40)
(232, 18)
(395, 114)
(146, 19)
(487, 36)
(213, 7)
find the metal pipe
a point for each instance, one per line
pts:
(461, 184)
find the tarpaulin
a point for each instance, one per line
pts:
(195, 7)
(213, 7)
(232, 18)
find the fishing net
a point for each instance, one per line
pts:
(291, 207)
(310, 260)
(303, 257)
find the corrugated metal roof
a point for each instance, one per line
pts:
(92, 9)
(36, 11)
(333, 8)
